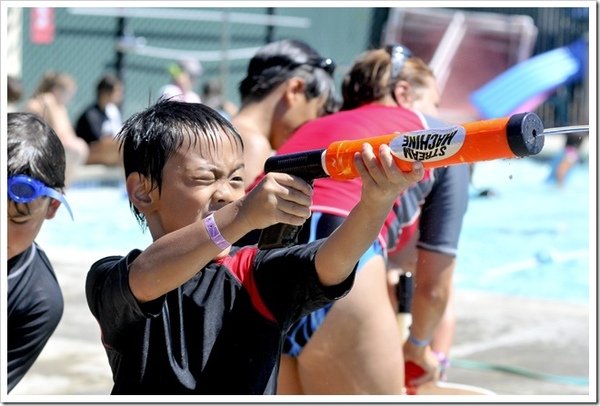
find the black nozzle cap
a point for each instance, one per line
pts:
(525, 134)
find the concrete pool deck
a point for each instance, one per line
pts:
(542, 337)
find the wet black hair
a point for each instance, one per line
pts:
(149, 138)
(34, 149)
(281, 60)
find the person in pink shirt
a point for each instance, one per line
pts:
(354, 346)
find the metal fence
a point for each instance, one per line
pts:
(87, 43)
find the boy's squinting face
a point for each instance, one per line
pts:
(197, 181)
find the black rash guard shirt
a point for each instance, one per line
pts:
(34, 308)
(221, 332)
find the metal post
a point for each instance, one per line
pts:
(269, 36)
(225, 45)
(120, 55)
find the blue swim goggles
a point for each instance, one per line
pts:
(23, 189)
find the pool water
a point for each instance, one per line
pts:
(530, 238)
(103, 223)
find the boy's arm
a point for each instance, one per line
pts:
(382, 182)
(176, 257)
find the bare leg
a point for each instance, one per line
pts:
(444, 333)
(288, 381)
(358, 349)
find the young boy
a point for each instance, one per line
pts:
(36, 175)
(190, 314)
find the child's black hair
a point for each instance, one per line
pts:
(278, 61)
(149, 138)
(34, 149)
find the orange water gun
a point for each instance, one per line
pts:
(519, 135)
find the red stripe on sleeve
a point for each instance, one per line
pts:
(241, 265)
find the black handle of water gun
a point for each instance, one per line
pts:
(306, 165)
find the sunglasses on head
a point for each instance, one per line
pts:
(398, 55)
(23, 189)
(326, 64)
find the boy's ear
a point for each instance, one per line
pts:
(52, 208)
(294, 89)
(403, 93)
(138, 189)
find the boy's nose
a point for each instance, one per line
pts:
(224, 192)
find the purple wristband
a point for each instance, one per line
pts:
(214, 233)
(418, 343)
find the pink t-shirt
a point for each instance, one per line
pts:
(372, 120)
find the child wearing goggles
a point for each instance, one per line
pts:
(24, 189)
(36, 174)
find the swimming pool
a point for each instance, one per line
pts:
(530, 239)
(103, 222)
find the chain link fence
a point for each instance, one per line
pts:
(139, 43)
(87, 41)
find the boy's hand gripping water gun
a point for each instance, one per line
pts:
(519, 135)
